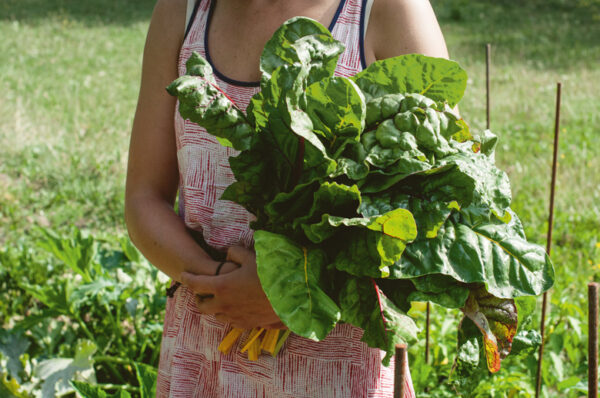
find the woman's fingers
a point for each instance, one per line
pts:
(276, 325)
(240, 255)
(207, 304)
(199, 284)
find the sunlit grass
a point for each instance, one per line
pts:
(69, 86)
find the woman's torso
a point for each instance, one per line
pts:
(190, 364)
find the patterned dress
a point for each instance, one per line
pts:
(190, 364)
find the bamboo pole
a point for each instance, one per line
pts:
(549, 235)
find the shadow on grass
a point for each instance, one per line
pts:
(548, 34)
(88, 12)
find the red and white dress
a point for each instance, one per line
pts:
(190, 364)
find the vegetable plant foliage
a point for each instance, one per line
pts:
(369, 192)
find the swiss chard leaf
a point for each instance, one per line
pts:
(489, 253)
(291, 276)
(436, 78)
(471, 178)
(337, 109)
(497, 320)
(364, 305)
(203, 102)
(440, 289)
(303, 41)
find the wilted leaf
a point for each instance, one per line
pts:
(497, 320)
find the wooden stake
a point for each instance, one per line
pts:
(400, 371)
(549, 235)
(593, 340)
(487, 84)
(427, 323)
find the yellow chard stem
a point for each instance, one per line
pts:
(253, 336)
(229, 340)
(270, 345)
(254, 350)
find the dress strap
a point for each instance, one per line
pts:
(190, 14)
(368, 4)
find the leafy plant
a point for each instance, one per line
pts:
(369, 192)
(94, 326)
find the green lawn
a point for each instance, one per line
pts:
(69, 80)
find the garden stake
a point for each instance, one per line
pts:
(549, 236)
(400, 371)
(487, 84)
(427, 333)
(593, 340)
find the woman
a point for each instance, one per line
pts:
(166, 157)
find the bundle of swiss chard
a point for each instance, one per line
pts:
(369, 192)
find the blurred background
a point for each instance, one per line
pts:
(78, 302)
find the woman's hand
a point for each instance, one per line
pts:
(238, 296)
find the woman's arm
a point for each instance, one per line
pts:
(399, 27)
(152, 173)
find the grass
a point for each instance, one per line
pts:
(70, 76)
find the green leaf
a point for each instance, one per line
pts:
(375, 205)
(440, 289)
(398, 291)
(357, 252)
(331, 199)
(56, 373)
(471, 178)
(58, 297)
(12, 346)
(76, 251)
(430, 216)
(146, 376)
(397, 228)
(371, 252)
(469, 348)
(364, 305)
(203, 102)
(87, 390)
(337, 109)
(487, 143)
(304, 41)
(526, 308)
(287, 207)
(436, 78)
(491, 253)
(526, 341)
(291, 277)
(11, 388)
